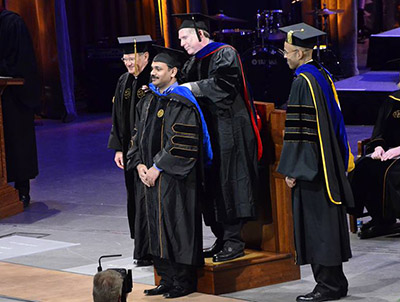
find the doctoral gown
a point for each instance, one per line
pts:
(218, 83)
(168, 134)
(19, 103)
(312, 155)
(127, 93)
(378, 182)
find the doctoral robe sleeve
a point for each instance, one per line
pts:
(133, 155)
(300, 153)
(114, 140)
(13, 51)
(18, 60)
(224, 78)
(181, 141)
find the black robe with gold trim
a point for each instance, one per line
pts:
(311, 155)
(168, 222)
(376, 183)
(127, 95)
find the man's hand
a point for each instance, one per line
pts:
(142, 171)
(391, 153)
(152, 175)
(119, 160)
(291, 182)
(378, 152)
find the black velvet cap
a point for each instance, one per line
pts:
(302, 34)
(194, 20)
(143, 43)
(171, 57)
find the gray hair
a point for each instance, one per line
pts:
(206, 34)
(107, 286)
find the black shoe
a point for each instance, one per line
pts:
(159, 290)
(316, 297)
(25, 200)
(143, 262)
(368, 224)
(378, 222)
(227, 253)
(212, 250)
(375, 231)
(177, 292)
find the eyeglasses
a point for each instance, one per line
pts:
(126, 60)
(285, 53)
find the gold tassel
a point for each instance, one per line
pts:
(136, 57)
(290, 35)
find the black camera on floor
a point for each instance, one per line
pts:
(126, 275)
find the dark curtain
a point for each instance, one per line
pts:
(343, 33)
(381, 15)
(94, 26)
(94, 22)
(65, 61)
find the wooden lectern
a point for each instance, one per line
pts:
(269, 257)
(9, 199)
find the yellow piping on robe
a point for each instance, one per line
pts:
(320, 143)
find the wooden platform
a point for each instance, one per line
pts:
(255, 269)
(9, 199)
(37, 284)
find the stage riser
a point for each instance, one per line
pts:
(361, 107)
(383, 50)
(256, 269)
(252, 276)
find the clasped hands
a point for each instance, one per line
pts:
(148, 176)
(379, 153)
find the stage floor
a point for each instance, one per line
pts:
(78, 213)
(374, 81)
(26, 283)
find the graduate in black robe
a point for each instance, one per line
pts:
(215, 76)
(137, 58)
(314, 159)
(19, 103)
(167, 157)
(376, 178)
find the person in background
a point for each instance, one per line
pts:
(137, 58)
(376, 179)
(19, 103)
(215, 76)
(314, 160)
(107, 286)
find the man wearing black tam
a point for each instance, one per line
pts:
(170, 147)
(215, 76)
(128, 92)
(315, 158)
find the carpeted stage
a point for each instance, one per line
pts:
(50, 252)
(360, 96)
